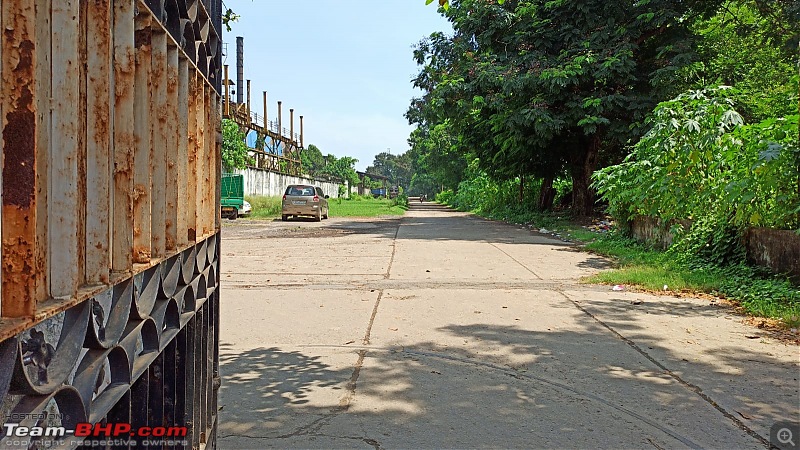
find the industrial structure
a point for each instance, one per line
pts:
(277, 149)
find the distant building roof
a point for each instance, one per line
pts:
(374, 176)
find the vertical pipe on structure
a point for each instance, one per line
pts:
(291, 125)
(248, 102)
(266, 119)
(98, 171)
(301, 133)
(158, 132)
(173, 199)
(63, 182)
(124, 141)
(227, 100)
(239, 70)
(183, 152)
(19, 122)
(280, 115)
(141, 170)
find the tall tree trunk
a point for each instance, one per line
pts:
(582, 195)
(546, 194)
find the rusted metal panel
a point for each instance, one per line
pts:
(63, 199)
(201, 159)
(171, 129)
(217, 153)
(65, 212)
(98, 171)
(209, 128)
(158, 150)
(183, 152)
(141, 159)
(19, 124)
(191, 148)
(81, 160)
(124, 142)
(43, 143)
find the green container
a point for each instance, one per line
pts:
(232, 195)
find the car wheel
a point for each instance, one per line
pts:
(327, 211)
(234, 215)
(284, 217)
(319, 216)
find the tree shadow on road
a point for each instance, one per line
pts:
(480, 385)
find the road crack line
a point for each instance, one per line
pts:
(558, 385)
(394, 250)
(516, 261)
(692, 387)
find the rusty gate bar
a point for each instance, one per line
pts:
(109, 299)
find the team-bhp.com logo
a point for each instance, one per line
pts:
(100, 435)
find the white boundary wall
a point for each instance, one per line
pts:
(271, 184)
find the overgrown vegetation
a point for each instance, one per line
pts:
(234, 150)
(264, 207)
(757, 291)
(701, 162)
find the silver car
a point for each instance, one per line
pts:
(304, 200)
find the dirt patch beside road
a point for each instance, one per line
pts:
(306, 228)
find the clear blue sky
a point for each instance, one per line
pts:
(345, 65)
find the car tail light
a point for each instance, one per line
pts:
(284, 196)
(316, 199)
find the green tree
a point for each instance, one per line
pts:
(397, 168)
(751, 45)
(312, 160)
(342, 169)
(436, 157)
(536, 87)
(234, 149)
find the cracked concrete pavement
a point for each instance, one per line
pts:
(443, 330)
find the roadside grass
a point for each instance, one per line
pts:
(757, 291)
(270, 207)
(264, 207)
(365, 207)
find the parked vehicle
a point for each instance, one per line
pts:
(246, 209)
(232, 203)
(304, 200)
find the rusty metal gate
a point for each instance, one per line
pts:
(109, 300)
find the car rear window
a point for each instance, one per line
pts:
(300, 191)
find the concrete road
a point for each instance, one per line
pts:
(442, 330)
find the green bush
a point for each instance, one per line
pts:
(445, 197)
(701, 162)
(700, 159)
